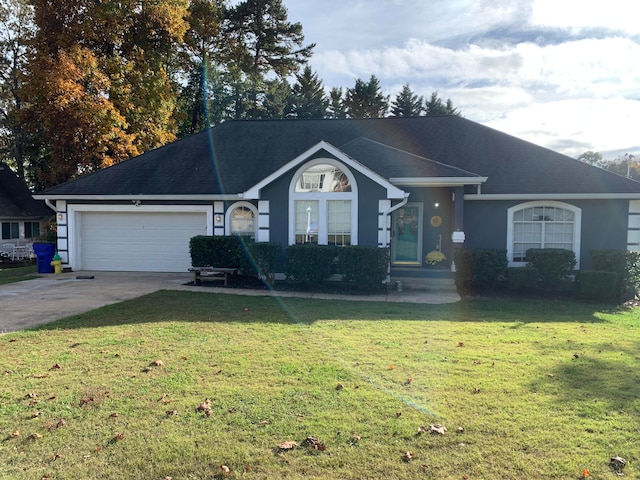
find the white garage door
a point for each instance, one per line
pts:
(138, 242)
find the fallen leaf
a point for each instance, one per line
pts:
(289, 445)
(438, 429)
(585, 473)
(171, 413)
(314, 443)
(461, 344)
(55, 457)
(156, 363)
(114, 415)
(476, 390)
(422, 429)
(265, 422)
(460, 429)
(57, 366)
(477, 362)
(226, 470)
(407, 456)
(34, 436)
(118, 437)
(355, 438)
(15, 434)
(409, 380)
(36, 414)
(391, 367)
(339, 386)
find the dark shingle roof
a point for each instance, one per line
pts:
(242, 153)
(16, 201)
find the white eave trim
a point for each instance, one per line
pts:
(437, 181)
(393, 192)
(103, 198)
(554, 196)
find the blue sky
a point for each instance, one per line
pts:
(564, 74)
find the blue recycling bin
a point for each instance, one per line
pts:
(44, 255)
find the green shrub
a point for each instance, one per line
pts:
(309, 264)
(260, 259)
(625, 264)
(554, 265)
(215, 251)
(522, 279)
(598, 285)
(479, 269)
(364, 266)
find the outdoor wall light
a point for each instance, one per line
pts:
(60, 217)
(218, 218)
(436, 204)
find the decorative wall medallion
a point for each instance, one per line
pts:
(436, 221)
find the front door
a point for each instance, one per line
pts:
(406, 243)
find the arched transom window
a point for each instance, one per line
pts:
(542, 225)
(323, 205)
(242, 219)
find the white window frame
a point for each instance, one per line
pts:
(250, 206)
(323, 198)
(577, 227)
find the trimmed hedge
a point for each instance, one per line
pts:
(251, 258)
(363, 266)
(598, 285)
(479, 269)
(216, 251)
(309, 264)
(625, 264)
(554, 265)
(523, 279)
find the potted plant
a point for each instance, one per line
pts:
(435, 258)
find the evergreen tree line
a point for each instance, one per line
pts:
(86, 84)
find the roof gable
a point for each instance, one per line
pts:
(392, 191)
(15, 198)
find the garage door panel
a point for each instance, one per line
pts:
(152, 242)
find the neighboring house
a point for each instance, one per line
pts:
(413, 184)
(21, 217)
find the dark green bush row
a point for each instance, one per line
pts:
(598, 285)
(479, 269)
(363, 266)
(554, 265)
(625, 264)
(522, 279)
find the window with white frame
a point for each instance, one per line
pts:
(542, 225)
(10, 230)
(242, 219)
(323, 205)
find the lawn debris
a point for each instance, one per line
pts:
(14, 434)
(40, 375)
(460, 430)
(36, 414)
(576, 355)
(314, 443)
(118, 437)
(288, 445)
(408, 456)
(34, 436)
(340, 386)
(55, 425)
(461, 344)
(226, 470)
(156, 363)
(205, 407)
(114, 415)
(56, 457)
(618, 463)
(171, 413)
(438, 429)
(57, 366)
(353, 439)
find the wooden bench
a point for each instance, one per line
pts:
(219, 273)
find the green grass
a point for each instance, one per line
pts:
(542, 389)
(17, 274)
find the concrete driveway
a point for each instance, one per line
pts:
(51, 297)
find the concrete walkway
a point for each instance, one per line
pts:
(51, 297)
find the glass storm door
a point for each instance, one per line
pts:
(406, 242)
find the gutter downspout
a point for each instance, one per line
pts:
(50, 205)
(384, 215)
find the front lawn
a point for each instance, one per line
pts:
(525, 388)
(16, 274)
